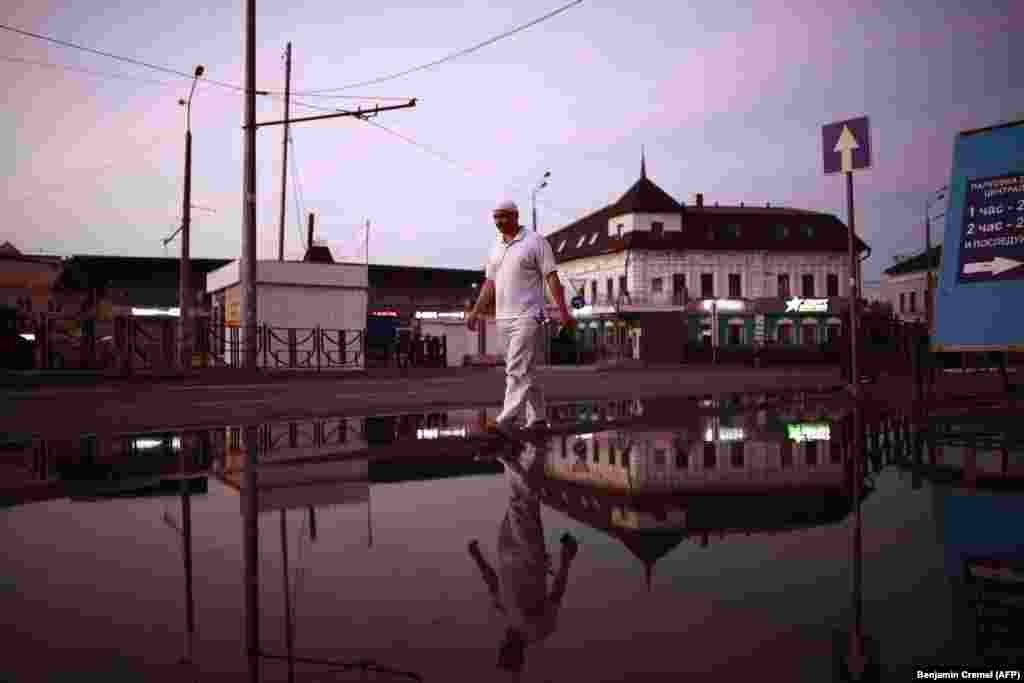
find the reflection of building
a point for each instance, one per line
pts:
(647, 266)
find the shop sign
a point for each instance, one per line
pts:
(798, 305)
(723, 304)
(440, 315)
(808, 431)
(387, 313)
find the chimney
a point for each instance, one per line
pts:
(700, 200)
(767, 205)
(309, 232)
(741, 205)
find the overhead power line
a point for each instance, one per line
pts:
(91, 72)
(155, 67)
(454, 55)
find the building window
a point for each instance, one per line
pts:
(785, 334)
(735, 335)
(737, 454)
(913, 302)
(811, 452)
(808, 231)
(579, 243)
(678, 288)
(784, 285)
(902, 307)
(657, 285)
(682, 461)
(787, 454)
(618, 229)
(735, 286)
(832, 284)
(659, 457)
(625, 459)
(561, 246)
(832, 333)
(593, 238)
(610, 288)
(733, 230)
(657, 228)
(707, 285)
(807, 285)
(709, 455)
(781, 232)
(622, 285)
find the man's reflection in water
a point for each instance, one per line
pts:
(520, 587)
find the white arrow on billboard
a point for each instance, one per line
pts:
(996, 266)
(845, 146)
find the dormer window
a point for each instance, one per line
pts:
(657, 228)
(580, 242)
(733, 230)
(561, 246)
(808, 231)
(593, 238)
(781, 232)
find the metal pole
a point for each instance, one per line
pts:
(533, 197)
(284, 150)
(248, 274)
(854, 294)
(184, 268)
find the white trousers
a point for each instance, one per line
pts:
(520, 337)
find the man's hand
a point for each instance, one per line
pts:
(471, 321)
(566, 320)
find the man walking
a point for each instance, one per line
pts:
(516, 271)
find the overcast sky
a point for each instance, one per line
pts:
(727, 97)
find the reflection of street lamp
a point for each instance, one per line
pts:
(184, 270)
(533, 197)
(929, 303)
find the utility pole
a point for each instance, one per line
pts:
(284, 150)
(248, 270)
(185, 267)
(367, 244)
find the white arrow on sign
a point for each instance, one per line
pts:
(996, 266)
(845, 146)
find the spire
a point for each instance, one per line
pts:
(643, 163)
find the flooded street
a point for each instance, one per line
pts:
(639, 540)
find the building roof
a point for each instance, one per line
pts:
(86, 271)
(9, 252)
(704, 227)
(917, 263)
(386, 276)
(645, 197)
(728, 228)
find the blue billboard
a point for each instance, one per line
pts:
(981, 284)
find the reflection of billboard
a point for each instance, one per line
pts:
(808, 431)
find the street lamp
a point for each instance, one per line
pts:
(184, 270)
(938, 195)
(543, 183)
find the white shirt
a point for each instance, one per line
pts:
(518, 269)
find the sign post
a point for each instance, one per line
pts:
(846, 146)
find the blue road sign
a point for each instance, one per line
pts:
(981, 283)
(846, 145)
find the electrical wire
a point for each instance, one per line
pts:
(91, 72)
(295, 189)
(454, 55)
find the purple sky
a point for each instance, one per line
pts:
(729, 100)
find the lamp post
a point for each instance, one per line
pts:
(533, 197)
(938, 195)
(184, 269)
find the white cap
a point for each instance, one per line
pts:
(508, 205)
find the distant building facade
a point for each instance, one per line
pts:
(655, 275)
(904, 286)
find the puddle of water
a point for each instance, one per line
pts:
(639, 539)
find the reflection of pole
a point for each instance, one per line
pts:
(251, 554)
(186, 534)
(369, 522)
(289, 644)
(312, 523)
(855, 662)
